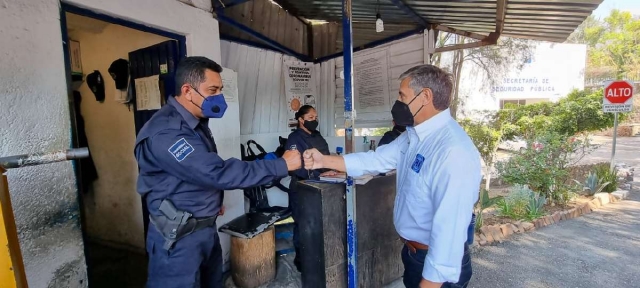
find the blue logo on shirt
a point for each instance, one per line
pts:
(181, 149)
(417, 164)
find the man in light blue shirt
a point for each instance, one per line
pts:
(438, 179)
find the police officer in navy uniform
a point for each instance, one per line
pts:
(305, 137)
(182, 179)
(389, 136)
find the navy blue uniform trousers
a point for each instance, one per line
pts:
(414, 264)
(194, 261)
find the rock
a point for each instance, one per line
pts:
(481, 237)
(521, 227)
(515, 228)
(592, 205)
(528, 226)
(483, 243)
(574, 213)
(604, 198)
(620, 194)
(537, 223)
(556, 217)
(496, 232)
(506, 230)
(586, 209)
(548, 220)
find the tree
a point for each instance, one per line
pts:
(486, 139)
(495, 61)
(579, 112)
(614, 44)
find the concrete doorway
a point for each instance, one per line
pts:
(112, 212)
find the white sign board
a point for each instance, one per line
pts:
(372, 82)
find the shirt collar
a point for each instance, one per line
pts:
(433, 124)
(191, 120)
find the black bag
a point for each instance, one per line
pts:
(258, 195)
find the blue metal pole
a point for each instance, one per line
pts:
(349, 116)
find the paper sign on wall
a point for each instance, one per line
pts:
(300, 87)
(372, 82)
(230, 83)
(148, 95)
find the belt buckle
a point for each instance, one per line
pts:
(410, 246)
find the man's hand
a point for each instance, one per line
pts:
(332, 174)
(313, 159)
(221, 213)
(293, 159)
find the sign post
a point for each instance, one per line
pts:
(618, 97)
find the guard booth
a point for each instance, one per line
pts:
(335, 40)
(327, 34)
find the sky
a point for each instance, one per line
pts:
(627, 5)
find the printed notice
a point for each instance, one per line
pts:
(148, 93)
(230, 83)
(372, 82)
(300, 88)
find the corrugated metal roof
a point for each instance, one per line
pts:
(550, 20)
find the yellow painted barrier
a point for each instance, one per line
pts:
(11, 265)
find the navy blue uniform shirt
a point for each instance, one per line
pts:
(304, 141)
(177, 158)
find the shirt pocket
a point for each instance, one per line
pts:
(416, 189)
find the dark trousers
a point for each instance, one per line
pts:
(295, 213)
(414, 263)
(194, 261)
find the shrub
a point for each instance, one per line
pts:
(606, 175)
(543, 165)
(593, 184)
(515, 204)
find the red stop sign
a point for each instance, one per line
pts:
(618, 92)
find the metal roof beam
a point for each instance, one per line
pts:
(272, 43)
(501, 13)
(217, 4)
(463, 46)
(423, 22)
(459, 32)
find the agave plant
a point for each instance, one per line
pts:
(535, 206)
(592, 184)
(484, 202)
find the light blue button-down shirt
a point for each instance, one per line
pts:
(438, 180)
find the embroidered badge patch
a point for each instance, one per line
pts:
(181, 149)
(417, 164)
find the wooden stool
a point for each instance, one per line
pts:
(253, 261)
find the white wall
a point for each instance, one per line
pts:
(261, 89)
(34, 117)
(111, 134)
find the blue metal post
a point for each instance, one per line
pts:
(349, 116)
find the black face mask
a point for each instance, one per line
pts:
(401, 113)
(311, 125)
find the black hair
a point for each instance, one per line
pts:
(304, 110)
(191, 71)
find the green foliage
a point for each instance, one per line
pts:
(485, 138)
(522, 203)
(543, 164)
(605, 174)
(484, 202)
(380, 131)
(579, 112)
(613, 42)
(593, 184)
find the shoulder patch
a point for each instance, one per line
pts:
(181, 149)
(417, 163)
